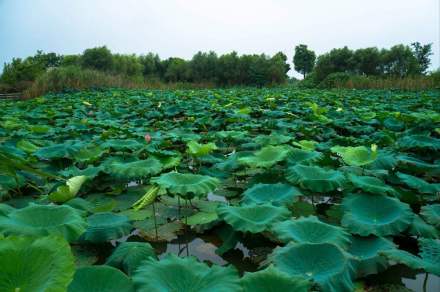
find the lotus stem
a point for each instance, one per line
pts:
(154, 219)
(178, 208)
(425, 282)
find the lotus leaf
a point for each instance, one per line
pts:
(366, 250)
(375, 214)
(370, 184)
(40, 220)
(418, 184)
(300, 156)
(315, 178)
(252, 218)
(186, 185)
(419, 142)
(273, 280)
(184, 275)
(106, 226)
(134, 169)
(100, 278)
(277, 194)
(129, 255)
(324, 263)
(35, 264)
(68, 191)
(266, 157)
(356, 156)
(431, 213)
(420, 228)
(311, 230)
(197, 149)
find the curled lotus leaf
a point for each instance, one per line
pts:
(375, 214)
(307, 145)
(41, 220)
(186, 185)
(431, 213)
(100, 278)
(35, 264)
(134, 169)
(324, 263)
(197, 149)
(315, 178)
(311, 230)
(277, 194)
(356, 156)
(173, 273)
(252, 218)
(266, 157)
(419, 184)
(429, 256)
(69, 190)
(301, 156)
(106, 226)
(419, 142)
(370, 184)
(420, 228)
(366, 250)
(273, 280)
(129, 255)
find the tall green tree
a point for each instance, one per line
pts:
(99, 58)
(304, 59)
(422, 54)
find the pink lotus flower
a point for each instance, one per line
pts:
(147, 138)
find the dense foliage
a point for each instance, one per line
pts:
(295, 189)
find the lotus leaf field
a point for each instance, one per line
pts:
(220, 190)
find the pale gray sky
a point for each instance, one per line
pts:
(183, 27)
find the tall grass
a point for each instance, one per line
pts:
(75, 78)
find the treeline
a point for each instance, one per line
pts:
(400, 66)
(341, 65)
(204, 68)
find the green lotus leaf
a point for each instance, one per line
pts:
(35, 264)
(420, 228)
(311, 230)
(106, 226)
(89, 154)
(419, 184)
(419, 142)
(266, 157)
(27, 146)
(315, 178)
(272, 139)
(277, 194)
(307, 157)
(122, 145)
(5, 209)
(366, 250)
(252, 218)
(41, 220)
(173, 273)
(55, 151)
(129, 255)
(273, 280)
(68, 191)
(429, 256)
(186, 185)
(134, 169)
(202, 218)
(431, 213)
(100, 278)
(324, 263)
(306, 145)
(91, 171)
(197, 149)
(356, 156)
(375, 214)
(371, 184)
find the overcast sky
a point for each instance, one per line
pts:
(183, 27)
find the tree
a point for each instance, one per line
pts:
(337, 60)
(422, 54)
(367, 61)
(99, 58)
(399, 61)
(304, 60)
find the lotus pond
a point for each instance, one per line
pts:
(220, 190)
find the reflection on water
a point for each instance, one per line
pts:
(432, 284)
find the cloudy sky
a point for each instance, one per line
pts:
(183, 27)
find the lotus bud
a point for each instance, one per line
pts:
(147, 138)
